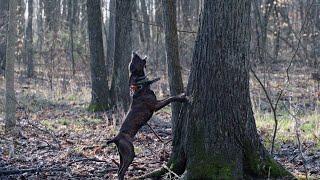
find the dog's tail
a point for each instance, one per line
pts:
(113, 140)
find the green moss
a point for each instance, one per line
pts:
(96, 107)
(261, 167)
(204, 165)
(211, 169)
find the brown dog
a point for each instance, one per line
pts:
(144, 103)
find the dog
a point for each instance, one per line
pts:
(143, 104)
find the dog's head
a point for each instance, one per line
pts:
(137, 65)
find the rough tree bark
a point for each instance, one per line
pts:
(110, 36)
(122, 54)
(186, 14)
(3, 31)
(216, 137)
(172, 54)
(10, 105)
(137, 31)
(20, 51)
(146, 26)
(99, 92)
(29, 41)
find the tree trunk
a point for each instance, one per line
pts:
(122, 54)
(146, 25)
(40, 29)
(172, 54)
(216, 135)
(138, 26)
(110, 36)
(99, 93)
(159, 59)
(10, 106)
(186, 14)
(52, 13)
(29, 41)
(3, 31)
(21, 50)
(71, 17)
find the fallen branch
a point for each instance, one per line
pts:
(86, 159)
(31, 170)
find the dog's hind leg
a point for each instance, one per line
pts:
(121, 161)
(126, 151)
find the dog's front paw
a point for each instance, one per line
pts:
(183, 97)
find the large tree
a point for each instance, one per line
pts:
(10, 106)
(216, 135)
(122, 54)
(172, 53)
(99, 92)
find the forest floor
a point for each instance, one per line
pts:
(60, 139)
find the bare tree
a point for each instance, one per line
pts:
(122, 54)
(146, 25)
(172, 53)
(29, 40)
(10, 106)
(110, 36)
(99, 92)
(71, 18)
(3, 31)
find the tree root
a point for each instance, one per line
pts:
(156, 174)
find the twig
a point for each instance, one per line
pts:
(272, 106)
(115, 162)
(155, 133)
(298, 138)
(170, 171)
(299, 40)
(155, 24)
